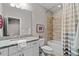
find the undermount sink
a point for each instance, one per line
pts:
(21, 41)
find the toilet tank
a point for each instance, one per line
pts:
(41, 42)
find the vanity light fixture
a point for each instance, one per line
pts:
(18, 5)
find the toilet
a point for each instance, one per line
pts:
(46, 50)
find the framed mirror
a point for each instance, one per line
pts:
(20, 19)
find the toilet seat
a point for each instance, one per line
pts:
(47, 49)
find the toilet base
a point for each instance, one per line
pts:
(43, 53)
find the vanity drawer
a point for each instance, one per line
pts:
(4, 52)
(34, 43)
(13, 49)
(28, 45)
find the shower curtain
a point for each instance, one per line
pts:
(70, 28)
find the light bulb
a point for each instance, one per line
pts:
(23, 5)
(59, 6)
(12, 4)
(17, 5)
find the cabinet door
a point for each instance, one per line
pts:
(4, 52)
(13, 49)
(28, 52)
(35, 46)
(36, 49)
(16, 54)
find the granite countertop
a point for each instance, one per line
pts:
(16, 41)
(13, 37)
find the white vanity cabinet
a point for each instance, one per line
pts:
(31, 49)
(4, 52)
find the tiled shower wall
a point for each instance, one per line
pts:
(70, 25)
(54, 26)
(57, 25)
(49, 27)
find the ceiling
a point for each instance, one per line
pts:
(54, 7)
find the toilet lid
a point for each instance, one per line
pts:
(47, 48)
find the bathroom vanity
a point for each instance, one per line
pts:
(17, 37)
(28, 46)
